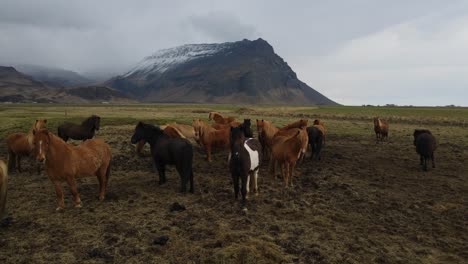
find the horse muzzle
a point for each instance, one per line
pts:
(41, 159)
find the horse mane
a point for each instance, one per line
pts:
(39, 124)
(297, 124)
(90, 121)
(269, 129)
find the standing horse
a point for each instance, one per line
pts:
(380, 129)
(286, 151)
(244, 162)
(64, 162)
(316, 140)
(83, 132)
(425, 144)
(167, 151)
(266, 131)
(218, 118)
(246, 128)
(3, 188)
(20, 145)
(320, 125)
(211, 138)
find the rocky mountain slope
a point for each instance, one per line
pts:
(243, 72)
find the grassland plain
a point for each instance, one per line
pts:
(363, 203)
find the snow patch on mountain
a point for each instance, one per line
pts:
(166, 59)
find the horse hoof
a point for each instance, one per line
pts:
(59, 209)
(101, 198)
(256, 193)
(244, 209)
(77, 205)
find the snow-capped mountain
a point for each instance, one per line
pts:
(165, 59)
(242, 72)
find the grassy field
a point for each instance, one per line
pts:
(362, 203)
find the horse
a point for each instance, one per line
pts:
(316, 139)
(224, 126)
(218, 118)
(244, 162)
(211, 138)
(266, 131)
(301, 123)
(20, 145)
(167, 151)
(83, 132)
(286, 151)
(65, 162)
(304, 137)
(246, 128)
(425, 144)
(3, 188)
(320, 125)
(380, 129)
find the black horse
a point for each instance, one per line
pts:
(167, 151)
(79, 132)
(246, 128)
(315, 141)
(244, 161)
(425, 144)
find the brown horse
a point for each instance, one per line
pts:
(20, 145)
(224, 126)
(3, 188)
(83, 132)
(211, 138)
(321, 126)
(286, 150)
(66, 162)
(303, 136)
(218, 118)
(380, 129)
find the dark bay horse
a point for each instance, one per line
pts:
(315, 141)
(246, 128)
(425, 144)
(167, 151)
(65, 162)
(84, 131)
(244, 162)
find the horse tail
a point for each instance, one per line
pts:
(3, 187)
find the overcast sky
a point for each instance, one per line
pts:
(353, 51)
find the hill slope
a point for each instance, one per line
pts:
(243, 72)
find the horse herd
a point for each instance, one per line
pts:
(172, 144)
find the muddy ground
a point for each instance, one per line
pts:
(363, 203)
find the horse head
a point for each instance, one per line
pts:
(39, 124)
(246, 128)
(377, 122)
(237, 138)
(418, 132)
(96, 121)
(41, 144)
(260, 126)
(145, 132)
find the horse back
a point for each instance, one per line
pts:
(19, 143)
(173, 151)
(91, 155)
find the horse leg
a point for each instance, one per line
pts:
(284, 171)
(208, 152)
(102, 177)
(162, 173)
(59, 193)
(18, 163)
(421, 160)
(184, 177)
(235, 182)
(291, 173)
(74, 190)
(191, 180)
(433, 160)
(255, 177)
(244, 189)
(11, 161)
(425, 164)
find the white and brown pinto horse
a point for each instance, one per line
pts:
(65, 162)
(244, 162)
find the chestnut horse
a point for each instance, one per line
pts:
(66, 162)
(286, 151)
(224, 126)
(3, 188)
(79, 132)
(380, 129)
(218, 118)
(211, 138)
(21, 144)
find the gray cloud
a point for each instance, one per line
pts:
(345, 49)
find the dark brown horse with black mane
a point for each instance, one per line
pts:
(244, 162)
(83, 132)
(425, 144)
(167, 151)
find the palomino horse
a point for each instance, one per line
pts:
(79, 132)
(425, 144)
(244, 162)
(380, 129)
(64, 162)
(218, 118)
(167, 151)
(286, 151)
(211, 138)
(21, 145)
(3, 188)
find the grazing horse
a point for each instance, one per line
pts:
(425, 144)
(315, 141)
(380, 129)
(3, 188)
(79, 132)
(286, 151)
(218, 118)
(65, 162)
(21, 144)
(211, 138)
(167, 151)
(244, 162)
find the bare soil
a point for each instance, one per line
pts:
(362, 203)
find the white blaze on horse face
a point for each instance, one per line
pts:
(253, 155)
(40, 147)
